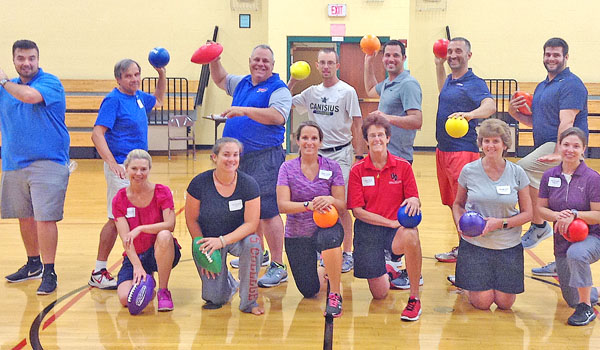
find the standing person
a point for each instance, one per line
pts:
(490, 266)
(559, 102)
(121, 126)
(400, 98)
(306, 184)
(35, 157)
(260, 107)
(233, 197)
(569, 191)
(144, 215)
(334, 106)
(462, 93)
(379, 185)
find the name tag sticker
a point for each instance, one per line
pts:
(130, 213)
(554, 182)
(235, 205)
(140, 104)
(503, 189)
(325, 174)
(368, 181)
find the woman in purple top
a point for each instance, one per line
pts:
(305, 184)
(569, 191)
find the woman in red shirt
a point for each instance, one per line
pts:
(145, 218)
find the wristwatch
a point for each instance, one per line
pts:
(306, 204)
(3, 82)
(359, 157)
(505, 224)
(574, 212)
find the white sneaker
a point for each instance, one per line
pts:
(103, 280)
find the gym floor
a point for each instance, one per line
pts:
(77, 316)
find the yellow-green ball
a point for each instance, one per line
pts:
(300, 70)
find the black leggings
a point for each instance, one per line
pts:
(302, 256)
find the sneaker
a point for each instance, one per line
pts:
(165, 303)
(452, 279)
(393, 270)
(412, 311)
(402, 282)
(48, 284)
(535, 235)
(320, 258)
(334, 305)
(583, 315)
(235, 263)
(103, 280)
(347, 262)
(275, 274)
(448, 257)
(548, 270)
(26, 272)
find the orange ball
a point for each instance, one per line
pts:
(528, 100)
(326, 219)
(370, 44)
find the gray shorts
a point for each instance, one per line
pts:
(345, 158)
(534, 168)
(37, 191)
(113, 185)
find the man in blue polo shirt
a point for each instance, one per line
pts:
(464, 94)
(35, 157)
(559, 102)
(121, 126)
(260, 107)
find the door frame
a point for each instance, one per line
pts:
(291, 40)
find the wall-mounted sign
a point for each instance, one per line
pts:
(336, 10)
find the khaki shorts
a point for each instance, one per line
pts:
(534, 168)
(37, 191)
(345, 158)
(113, 185)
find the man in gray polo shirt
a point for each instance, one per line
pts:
(400, 103)
(400, 98)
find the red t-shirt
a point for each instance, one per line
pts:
(151, 214)
(381, 191)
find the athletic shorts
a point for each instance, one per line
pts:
(113, 185)
(148, 262)
(370, 241)
(480, 269)
(263, 166)
(534, 168)
(345, 158)
(37, 191)
(449, 165)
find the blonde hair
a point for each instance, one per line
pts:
(138, 154)
(493, 127)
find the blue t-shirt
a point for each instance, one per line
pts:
(565, 91)
(459, 95)
(252, 134)
(397, 97)
(125, 117)
(33, 132)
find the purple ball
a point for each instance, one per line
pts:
(471, 224)
(140, 295)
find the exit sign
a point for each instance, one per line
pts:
(336, 10)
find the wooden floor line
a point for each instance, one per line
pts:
(68, 305)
